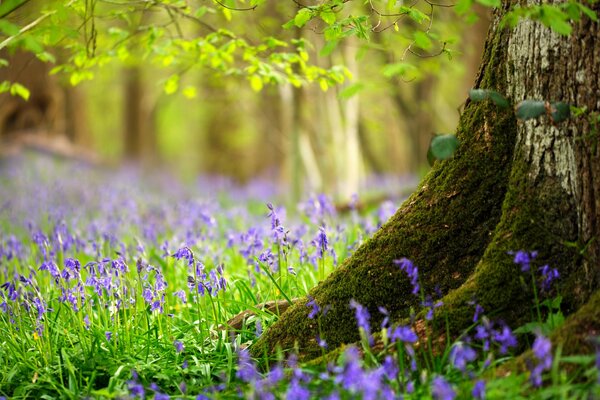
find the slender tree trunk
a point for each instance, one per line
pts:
(511, 185)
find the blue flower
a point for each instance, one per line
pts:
(542, 350)
(179, 347)
(321, 242)
(461, 354)
(412, 271)
(314, 307)
(479, 390)
(524, 259)
(549, 275)
(362, 318)
(185, 253)
(403, 333)
(505, 339)
(246, 370)
(442, 390)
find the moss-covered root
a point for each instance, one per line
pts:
(444, 227)
(576, 335)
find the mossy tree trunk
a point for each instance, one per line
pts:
(511, 185)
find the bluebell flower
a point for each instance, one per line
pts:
(135, 388)
(181, 295)
(524, 259)
(412, 271)
(108, 335)
(362, 318)
(390, 368)
(431, 305)
(542, 350)
(461, 354)
(403, 333)
(321, 242)
(505, 339)
(246, 369)
(186, 254)
(441, 389)
(259, 328)
(479, 390)
(179, 347)
(549, 275)
(314, 307)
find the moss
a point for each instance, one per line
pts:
(529, 222)
(574, 336)
(443, 227)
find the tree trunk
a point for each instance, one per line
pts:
(511, 185)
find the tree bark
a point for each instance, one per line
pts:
(511, 185)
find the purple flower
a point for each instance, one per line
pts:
(412, 271)
(403, 333)
(86, 321)
(390, 368)
(246, 370)
(542, 350)
(549, 275)
(179, 347)
(461, 354)
(505, 339)
(479, 390)
(108, 335)
(259, 328)
(185, 253)
(275, 222)
(442, 390)
(478, 311)
(432, 306)
(314, 307)
(135, 388)
(51, 267)
(320, 242)
(297, 392)
(362, 318)
(321, 342)
(180, 294)
(524, 259)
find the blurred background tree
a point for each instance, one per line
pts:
(223, 87)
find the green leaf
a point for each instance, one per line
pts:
(422, 40)
(560, 111)
(417, 16)
(443, 146)
(529, 327)
(490, 3)
(8, 6)
(8, 28)
(406, 70)
(190, 92)
(582, 359)
(256, 83)
(302, 17)
(16, 89)
(328, 17)
(528, 109)
(478, 94)
(483, 94)
(587, 11)
(463, 6)
(172, 84)
(498, 99)
(351, 90)
(4, 86)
